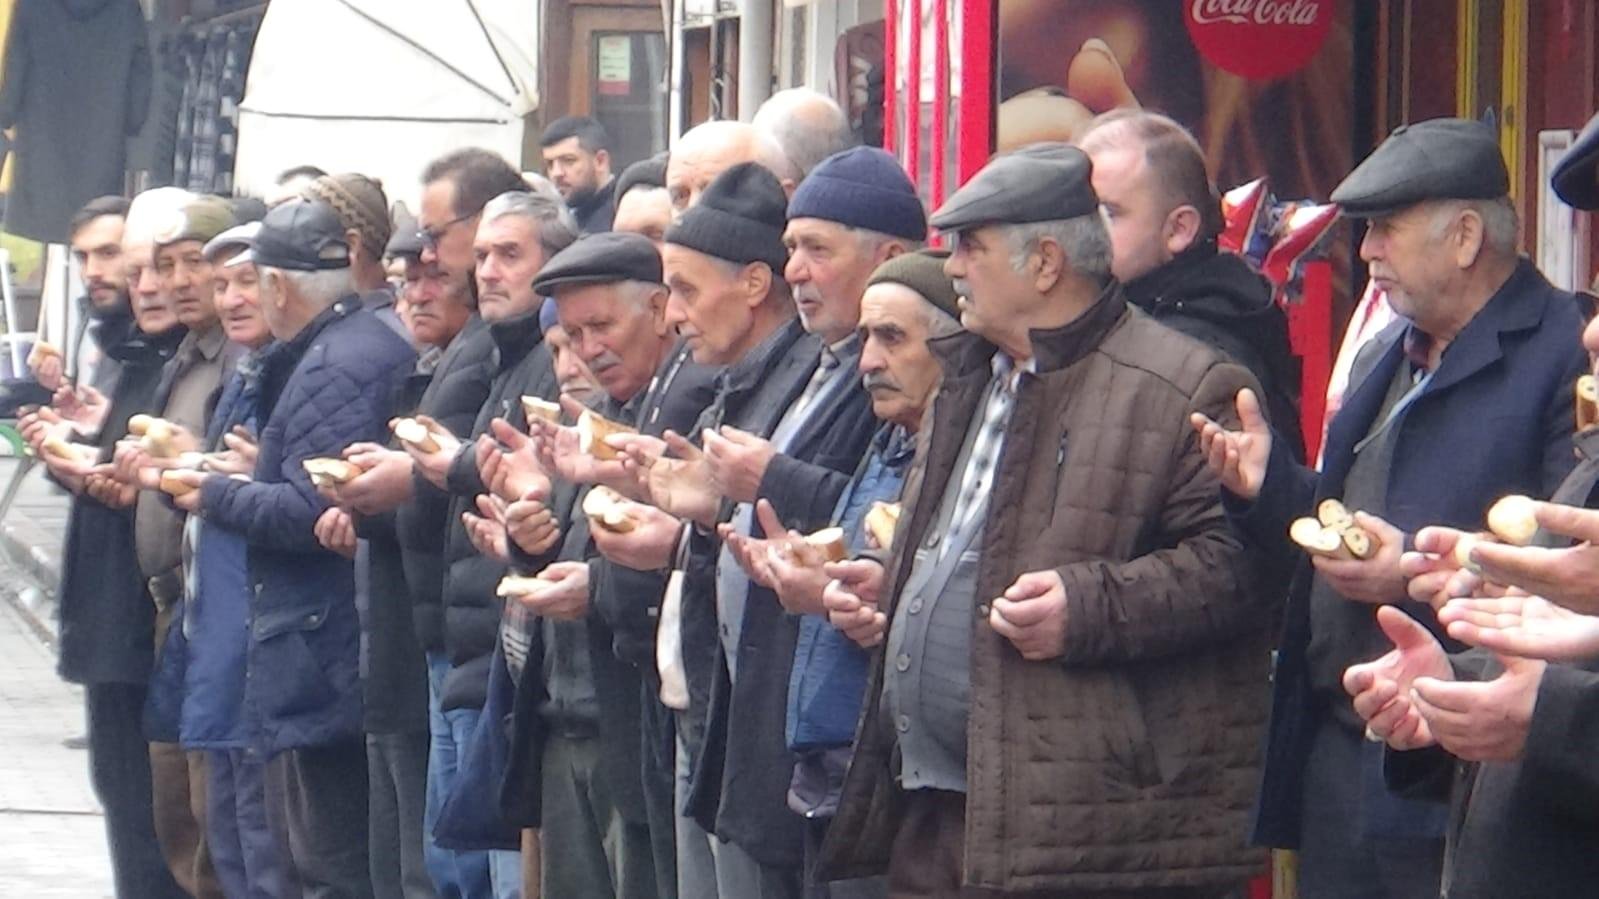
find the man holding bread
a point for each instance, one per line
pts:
(908, 302)
(1505, 729)
(1072, 687)
(328, 384)
(1484, 355)
(578, 712)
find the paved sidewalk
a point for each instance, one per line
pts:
(31, 537)
(52, 836)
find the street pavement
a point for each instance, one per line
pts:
(52, 834)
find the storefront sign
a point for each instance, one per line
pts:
(1259, 39)
(614, 69)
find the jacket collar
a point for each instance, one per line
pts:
(963, 352)
(1510, 309)
(748, 371)
(515, 337)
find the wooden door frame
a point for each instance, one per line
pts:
(586, 22)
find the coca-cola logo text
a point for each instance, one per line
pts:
(1259, 39)
(1260, 12)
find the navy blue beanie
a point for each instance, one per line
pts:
(862, 187)
(547, 317)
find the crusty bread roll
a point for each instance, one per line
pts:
(881, 520)
(829, 542)
(1587, 412)
(65, 451)
(173, 485)
(608, 509)
(1314, 538)
(536, 408)
(592, 429)
(138, 424)
(518, 585)
(42, 350)
(331, 472)
(415, 433)
(1512, 519)
(1333, 533)
(1334, 514)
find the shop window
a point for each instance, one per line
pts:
(628, 94)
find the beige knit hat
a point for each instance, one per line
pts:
(360, 204)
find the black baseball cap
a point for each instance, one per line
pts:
(300, 235)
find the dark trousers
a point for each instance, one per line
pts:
(1337, 860)
(591, 846)
(119, 767)
(859, 888)
(397, 771)
(178, 784)
(249, 860)
(925, 860)
(658, 759)
(316, 798)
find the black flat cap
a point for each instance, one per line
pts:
(1038, 183)
(299, 235)
(601, 259)
(1576, 175)
(1439, 159)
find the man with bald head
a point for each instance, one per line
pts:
(711, 148)
(807, 126)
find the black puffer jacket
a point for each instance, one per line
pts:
(523, 367)
(1219, 299)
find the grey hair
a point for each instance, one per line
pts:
(1500, 224)
(319, 288)
(872, 241)
(639, 292)
(939, 322)
(556, 227)
(807, 126)
(1084, 239)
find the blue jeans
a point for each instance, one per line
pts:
(458, 875)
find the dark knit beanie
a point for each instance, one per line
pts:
(739, 218)
(862, 187)
(922, 272)
(548, 314)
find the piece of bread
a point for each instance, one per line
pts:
(592, 429)
(414, 433)
(829, 542)
(173, 485)
(608, 509)
(1512, 519)
(1587, 412)
(331, 472)
(1334, 514)
(519, 585)
(1463, 548)
(138, 424)
(881, 520)
(536, 408)
(66, 451)
(1318, 540)
(156, 436)
(42, 350)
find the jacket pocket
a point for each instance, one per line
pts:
(1133, 757)
(288, 677)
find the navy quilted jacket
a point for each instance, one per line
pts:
(328, 388)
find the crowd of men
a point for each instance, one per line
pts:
(662, 643)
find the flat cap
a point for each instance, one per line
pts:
(601, 259)
(1439, 159)
(1042, 182)
(300, 235)
(1576, 175)
(200, 219)
(231, 243)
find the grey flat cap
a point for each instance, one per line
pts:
(1439, 159)
(603, 258)
(1039, 183)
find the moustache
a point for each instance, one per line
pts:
(607, 359)
(878, 380)
(807, 293)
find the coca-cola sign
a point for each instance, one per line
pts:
(1259, 39)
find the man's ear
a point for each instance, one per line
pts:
(1466, 238)
(657, 304)
(1052, 265)
(1181, 229)
(756, 282)
(602, 160)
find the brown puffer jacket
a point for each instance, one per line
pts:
(1132, 761)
